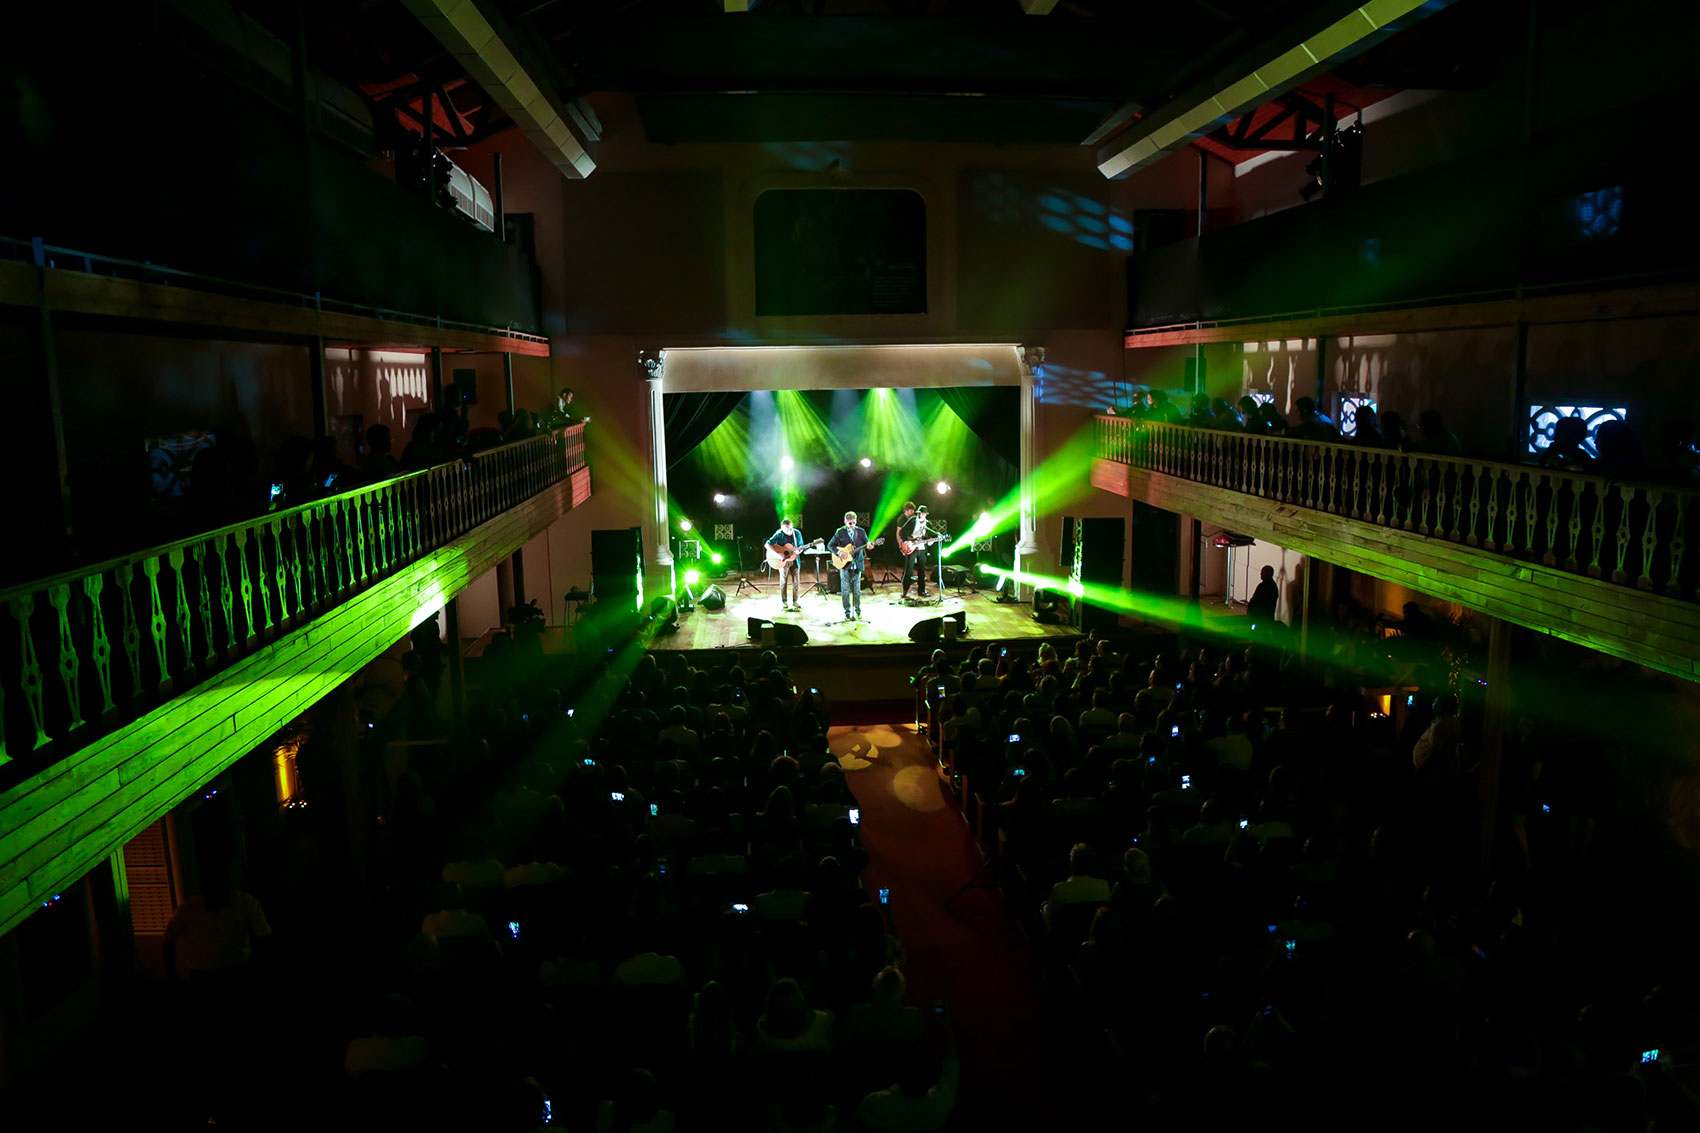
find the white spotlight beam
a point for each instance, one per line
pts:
(1329, 37)
(473, 39)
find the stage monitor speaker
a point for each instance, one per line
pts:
(947, 627)
(776, 633)
(713, 598)
(616, 565)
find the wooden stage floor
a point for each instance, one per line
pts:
(885, 622)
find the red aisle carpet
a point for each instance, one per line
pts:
(970, 955)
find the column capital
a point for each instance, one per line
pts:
(653, 363)
(1032, 357)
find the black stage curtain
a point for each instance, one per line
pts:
(691, 417)
(992, 412)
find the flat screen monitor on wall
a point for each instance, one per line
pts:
(841, 252)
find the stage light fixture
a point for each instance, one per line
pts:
(786, 463)
(943, 487)
(720, 497)
(692, 577)
(867, 462)
(716, 558)
(684, 525)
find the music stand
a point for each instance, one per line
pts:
(742, 581)
(819, 583)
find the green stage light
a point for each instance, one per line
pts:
(942, 487)
(684, 525)
(692, 577)
(717, 558)
(867, 463)
(787, 463)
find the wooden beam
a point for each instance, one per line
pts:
(1579, 307)
(1038, 7)
(60, 823)
(59, 289)
(1649, 629)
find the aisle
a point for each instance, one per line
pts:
(969, 955)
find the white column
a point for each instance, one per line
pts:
(1029, 548)
(659, 533)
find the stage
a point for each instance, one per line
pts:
(884, 622)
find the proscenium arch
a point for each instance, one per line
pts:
(747, 369)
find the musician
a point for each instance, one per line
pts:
(850, 575)
(787, 541)
(911, 534)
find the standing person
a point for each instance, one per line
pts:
(850, 574)
(1261, 608)
(786, 542)
(911, 540)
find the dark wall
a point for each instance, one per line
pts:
(129, 148)
(1577, 212)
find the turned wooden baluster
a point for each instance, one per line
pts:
(59, 597)
(1474, 536)
(100, 646)
(1650, 539)
(266, 624)
(361, 527)
(1511, 497)
(226, 600)
(1424, 470)
(1552, 483)
(180, 592)
(1459, 471)
(1627, 495)
(280, 569)
(1577, 490)
(131, 632)
(203, 604)
(1678, 543)
(157, 622)
(1492, 540)
(1529, 512)
(29, 676)
(1598, 532)
(298, 569)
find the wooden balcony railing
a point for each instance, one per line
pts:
(91, 649)
(1631, 533)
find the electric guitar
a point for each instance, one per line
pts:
(841, 556)
(909, 548)
(779, 560)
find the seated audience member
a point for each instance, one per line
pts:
(213, 932)
(635, 1107)
(452, 921)
(650, 968)
(1098, 720)
(1436, 752)
(1566, 449)
(395, 1044)
(1234, 748)
(1367, 431)
(376, 463)
(885, 1023)
(677, 733)
(1313, 424)
(788, 1025)
(713, 1027)
(1619, 450)
(1249, 417)
(1127, 734)
(1434, 438)
(1213, 829)
(713, 858)
(920, 1100)
(1082, 886)
(787, 900)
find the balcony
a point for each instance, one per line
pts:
(126, 684)
(1599, 562)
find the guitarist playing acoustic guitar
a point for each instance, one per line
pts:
(783, 547)
(849, 545)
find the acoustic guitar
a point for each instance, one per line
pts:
(779, 560)
(841, 556)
